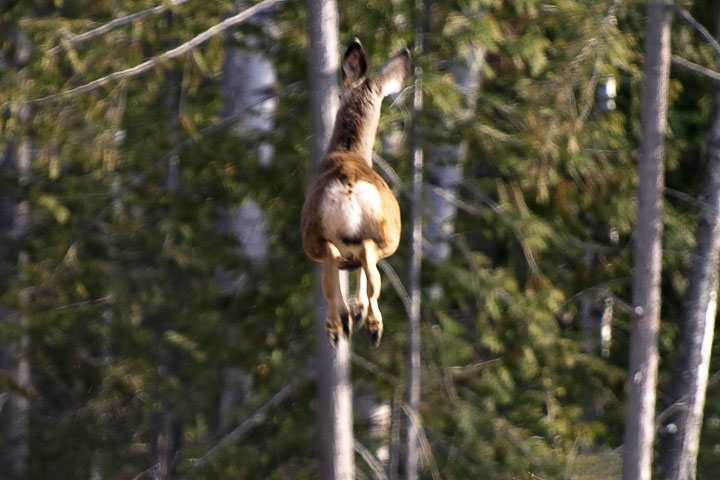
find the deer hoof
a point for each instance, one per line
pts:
(358, 311)
(346, 325)
(375, 335)
(333, 338)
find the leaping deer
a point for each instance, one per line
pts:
(351, 218)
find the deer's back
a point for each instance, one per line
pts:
(347, 204)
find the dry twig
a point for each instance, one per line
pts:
(163, 57)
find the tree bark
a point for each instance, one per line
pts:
(333, 368)
(412, 451)
(446, 160)
(642, 371)
(18, 156)
(248, 77)
(167, 432)
(688, 385)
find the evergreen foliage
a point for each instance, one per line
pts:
(136, 297)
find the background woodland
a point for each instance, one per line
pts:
(157, 311)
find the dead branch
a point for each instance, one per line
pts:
(390, 172)
(370, 459)
(374, 369)
(685, 15)
(72, 38)
(428, 457)
(258, 416)
(699, 69)
(163, 57)
(472, 210)
(396, 283)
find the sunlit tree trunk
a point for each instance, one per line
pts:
(642, 371)
(248, 83)
(446, 160)
(412, 451)
(333, 368)
(688, 384)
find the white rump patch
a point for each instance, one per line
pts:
(345, 208)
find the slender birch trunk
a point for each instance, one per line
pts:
(412, 451)
(446, 160)
(688, 385)
(248, 77)
(642, 371)
(333, 368)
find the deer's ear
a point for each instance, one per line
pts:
(393, 74)
(354, 64)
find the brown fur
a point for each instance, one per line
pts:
(350, 168)
(349, 161)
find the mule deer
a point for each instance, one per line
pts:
(351, 219)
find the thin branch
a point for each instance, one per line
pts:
(472, 210)
(72, 38)
(142, 474)
(374, 369)
(699, 69)
(689, 199)
(390, 172)
(163, 57)
(593, 288)
(142, 177)
(254, 419)
(370, 459)
(456, 370)
(681, 404)
(396, 283)
(685, 15)
(86, 302)
(428, 457)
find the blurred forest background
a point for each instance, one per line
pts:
(157, 311)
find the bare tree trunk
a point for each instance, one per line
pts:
(642, 371)
(333, 368)
(19, 403)
(166, 443)
(412, 452)
(15, 411)
(168, 426)
(688, 385)
(248, 79)
(446, 160)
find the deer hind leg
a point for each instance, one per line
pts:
(338, 318)
(359, 305)
(374, 323)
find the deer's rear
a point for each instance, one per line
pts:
(350, 218)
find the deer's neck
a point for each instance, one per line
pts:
(356, 124)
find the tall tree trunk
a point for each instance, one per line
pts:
(412, 452)
(688, 385)
(446, 160)
(15, 412)
(642, 371)
(168, 426)
(19, 403)
(333, 368)
(249, 79)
